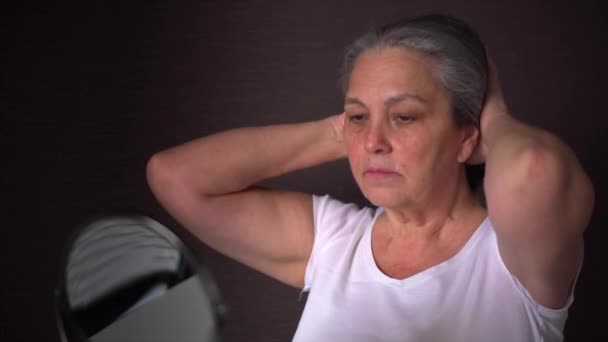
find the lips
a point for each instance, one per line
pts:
(379, 173)
(379, 170)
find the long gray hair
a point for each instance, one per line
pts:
(459, 51)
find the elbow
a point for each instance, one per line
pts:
(545, 161)
(553, 168)
(173, 181)
(556, 180)
(538, 163)
(583, 199)
(547, 178)
(531, 172)
(154, 169)
(163, 177)
(157, 173)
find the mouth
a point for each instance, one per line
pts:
(380, 173)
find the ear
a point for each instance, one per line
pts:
(469, 142)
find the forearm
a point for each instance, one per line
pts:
(233, 160)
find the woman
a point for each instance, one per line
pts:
(430, 263)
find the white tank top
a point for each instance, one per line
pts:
(469, 297)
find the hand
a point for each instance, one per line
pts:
(493, 108)
(335, 131)
(337, 123)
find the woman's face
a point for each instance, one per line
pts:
(404, 147)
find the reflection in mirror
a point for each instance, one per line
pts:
(129, 278)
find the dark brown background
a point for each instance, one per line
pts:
(92, 90)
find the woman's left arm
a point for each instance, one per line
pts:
(539, 200)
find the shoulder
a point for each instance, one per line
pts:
(338, 225)
(331, 215)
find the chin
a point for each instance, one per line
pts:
(386, 197)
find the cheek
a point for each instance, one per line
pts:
(355, 158)
(411, 150)
(353, 143)
(355, 154)
(436, 153)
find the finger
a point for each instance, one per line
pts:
(494, 88)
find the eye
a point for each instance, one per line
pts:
(404, 118)
(356, 118)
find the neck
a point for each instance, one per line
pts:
(451, 206)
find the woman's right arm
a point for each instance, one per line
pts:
(208, 186)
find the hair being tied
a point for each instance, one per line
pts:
(458, 50)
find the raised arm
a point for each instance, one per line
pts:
(208, 186)
(539, 199)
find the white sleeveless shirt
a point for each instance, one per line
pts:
(470, 297)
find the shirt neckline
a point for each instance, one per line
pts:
(429, 272)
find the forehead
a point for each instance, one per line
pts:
(388, 72)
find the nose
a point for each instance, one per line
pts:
(376, 140)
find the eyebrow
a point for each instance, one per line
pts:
(389, 101)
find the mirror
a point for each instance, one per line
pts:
(129, 278)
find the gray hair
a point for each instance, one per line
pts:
(459, 51)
